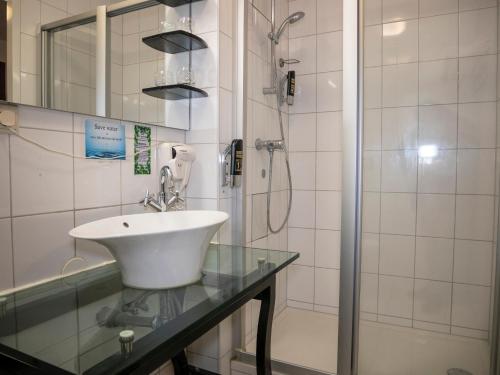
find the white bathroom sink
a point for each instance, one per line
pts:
(156, 250)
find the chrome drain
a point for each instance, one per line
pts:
(458, 371)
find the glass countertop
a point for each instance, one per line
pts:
(74, 323)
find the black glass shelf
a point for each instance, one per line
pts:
(175, 42)
(175, 92)
(176, 3)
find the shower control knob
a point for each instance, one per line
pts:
(270, 145)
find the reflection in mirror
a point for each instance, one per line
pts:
(65, 55)
(73, 70)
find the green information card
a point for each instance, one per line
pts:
(142, 150)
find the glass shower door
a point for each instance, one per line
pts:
(429, 187)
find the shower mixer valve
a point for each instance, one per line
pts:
(270, 145)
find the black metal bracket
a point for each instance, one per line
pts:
(180, 363)
(264, 328)
(264, 332)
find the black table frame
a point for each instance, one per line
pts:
(264, 331)
(15, 362)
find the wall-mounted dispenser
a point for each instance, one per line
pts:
(290, 90)
(286, 90)
(232, 164)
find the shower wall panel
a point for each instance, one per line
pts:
(429, 164)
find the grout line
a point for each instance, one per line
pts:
(494, 254)
(418, 175)
(419, 105)
(380, 172)
(419, 194)
(315, 35)
(456, 184)
(419, 17)
(419, 61)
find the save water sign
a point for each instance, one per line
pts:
(104, 140)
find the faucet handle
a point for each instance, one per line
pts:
(172, 202)
(146, 199)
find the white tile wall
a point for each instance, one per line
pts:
(51, 194)
(477, 125)
(434, 258)
(432, 301)
(49, 189)
(397, 255)
(402, 45)
(301, 283)
(315, 153)
(6, 274)
(395, 296)
(262, 122)
(432, 8)
(470, 307)
(429, 164)
(5, 199)
(399, 128)
(438, 82)
(110, 188)
(43, 253)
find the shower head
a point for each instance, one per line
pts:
(295, 17)
(275, 37)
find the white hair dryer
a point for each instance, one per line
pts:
(179, 158)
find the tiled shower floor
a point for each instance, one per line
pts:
(309, 339)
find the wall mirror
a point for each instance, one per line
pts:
(130, 60)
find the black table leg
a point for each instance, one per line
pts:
(180, 363)
(264, 328)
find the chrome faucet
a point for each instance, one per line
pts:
(168, 197)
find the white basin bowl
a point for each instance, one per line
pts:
(156, 250)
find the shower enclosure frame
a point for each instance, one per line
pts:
(352, 182)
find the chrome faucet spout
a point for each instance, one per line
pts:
(168, 196)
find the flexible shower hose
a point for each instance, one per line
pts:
(271, 157)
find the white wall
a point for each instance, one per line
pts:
(316, 156)
(262, 122)
(69, 192)
(44, 195)
(312, 131)
(430, 85)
